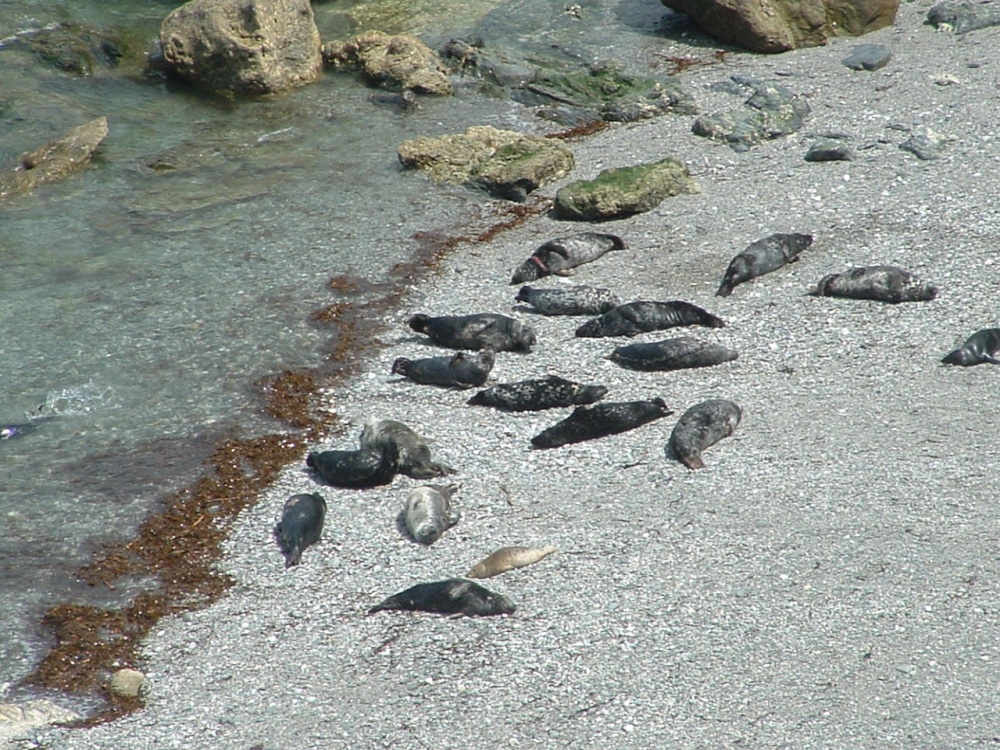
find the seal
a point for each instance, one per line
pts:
(462, 370)
(575, 300)
(560, 255)
(535, 395)
(644, 316)
(477, 331)
(982, 346)
(428, 512)
(679, 353)
(763, 256)
(414, 453)
(879, 283)
(301, 525)
(600, 420)
(369, 467)
(508, 558)
(701, 426)
(455, 596)
(10, 431)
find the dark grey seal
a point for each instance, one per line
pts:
(879, 283)
(672, 354)
(982, 346)
(763, 256)
(560, 255)
(701, 426)
(535, 395)
(574, 300)
(370, 467)
(428, 512)
(301, 525)
(600, 420)
(456, 596)
(644, 316)
(414, 453)
(11, 431)
(478, 331)
(462, 370)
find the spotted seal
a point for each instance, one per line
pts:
(428, 512)
(672, 354)
(761, 257)
(562, 254)
(369, 467)
(301, 525)
(982, 346)
(455, 596)
(414, 453)
(575, 300)
(477, 331)
(535, 395)
(879, 283)
(600, 420)
(463, 370)
(508, 558)
(701, 426)
(644, 316)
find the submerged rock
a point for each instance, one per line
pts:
(80, 49)
(617, 193)
(397, 62)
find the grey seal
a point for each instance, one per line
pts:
(672, 354)
(701, 426)
(509, 558)
(477, 331)
(761, 257)
(879, 283)
(575, 300)
(428, 512)
(369, 467)
(455, 596)
(535, 395)
(644, 316)
(301, 525)
(414, 453)
(600, 420)
(982, 346)
(11, 431)
(463, 370)
(560, 255)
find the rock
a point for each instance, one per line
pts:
(80, 49)
(243, 47)
(868, 57)
(18, 719)
(398, 62)
(621, 192)
(127, 682)
(925, 147)
(770, 112)
(829, 149)
(963, 17)
(781, 25)
(505, 163)
(56, 159)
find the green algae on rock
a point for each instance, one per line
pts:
(618, 193)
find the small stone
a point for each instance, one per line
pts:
(923, 147)
(868, 57)
(829, 150)
(127, 682)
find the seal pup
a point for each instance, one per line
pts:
(560, 255)
(369, 467)
(535, 395)
(763, 256)
(982, 346)
(414, 453)
(455, 596)
(600, 420)
(428, 512)
(879, 283)
(575, 300)
(644, 316)
(679, 353)
(477, 331)
(508, 558)
(463, 370)
(300, 526)
(701, 426)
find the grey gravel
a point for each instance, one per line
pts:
(830, 580)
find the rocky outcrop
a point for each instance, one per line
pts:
(56, 159)
(617, 193)
(243, 47)
(781, 25)
(770, 112)
(396, 62)
(504, 163)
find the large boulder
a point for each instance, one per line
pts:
(398, 61)
(781, 25)
(243, 47)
